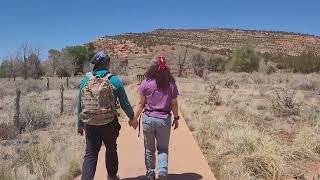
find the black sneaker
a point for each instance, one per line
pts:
(163, 178)
(115, 178)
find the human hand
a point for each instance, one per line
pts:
(175, 124)
(133, 123)
(80, 131)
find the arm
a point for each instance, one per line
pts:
(122, 96)
(79, 109)
(174, 106)
(141, 104)
(124, 102)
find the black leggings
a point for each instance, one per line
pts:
(94, 136)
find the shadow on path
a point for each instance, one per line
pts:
(184, 176)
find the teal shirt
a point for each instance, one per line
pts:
(120, 93)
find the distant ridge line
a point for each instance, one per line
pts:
(215, 29)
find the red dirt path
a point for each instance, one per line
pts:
(186, 161)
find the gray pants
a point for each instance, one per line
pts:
(156, 130)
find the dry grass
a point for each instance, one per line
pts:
(247, 136)
(50, 147)
(238, 129)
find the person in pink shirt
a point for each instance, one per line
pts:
(158, 98)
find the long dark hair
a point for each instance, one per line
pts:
(163, 77)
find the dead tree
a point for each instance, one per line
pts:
(182, 62)
(25, 50)
(29, 58)
(61, 99)
(48, 84)
(67, 82)
(17, 109)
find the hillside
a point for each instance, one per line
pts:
(218, 41)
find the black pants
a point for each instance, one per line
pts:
(94, 136)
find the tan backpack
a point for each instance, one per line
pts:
(98, 101)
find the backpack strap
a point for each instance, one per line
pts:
(90, 75)
(109, 75)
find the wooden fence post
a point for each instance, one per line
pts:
(17, 109)
(67, 82)
(61, 100)
(48, 84)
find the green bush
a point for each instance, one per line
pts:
(5, 69)
(245, 59)
(305, 63)
(216, 64)
(81, 55)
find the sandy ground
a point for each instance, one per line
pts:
(186, 161)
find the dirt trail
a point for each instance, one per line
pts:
(186, 161)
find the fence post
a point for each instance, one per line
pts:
(67, 82)
(47, 83)
(17, 109)
(61, 100)
(140, 78)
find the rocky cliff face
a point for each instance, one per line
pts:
(214, 40)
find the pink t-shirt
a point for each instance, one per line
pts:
(158, 102)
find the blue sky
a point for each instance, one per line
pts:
(59, 23)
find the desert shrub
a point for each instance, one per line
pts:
(198, 64)
(266, 67)
(281, 66)
(261, 167)
(7, 131)
(32, 85)
(203, 136)
(283, 103)
(213, 96)
(36, 159)
(216, 64)
(303, 84)
(304, 146)
(230, 83)
(311, 114)
(73, 170)
(5, 173)
(2, 93)
(34, 114)
(245, 59)
(305, 63)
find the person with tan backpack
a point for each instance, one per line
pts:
(98, 117)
